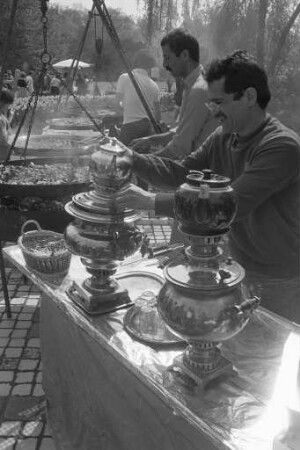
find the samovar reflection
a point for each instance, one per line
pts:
(102, 234)
(203, 300)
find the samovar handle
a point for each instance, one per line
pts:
(247, 306)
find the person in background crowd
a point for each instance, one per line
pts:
(136, 122)
(55, 84)
(181, 58)
(80, 84)
(261, 157)
(16, 79)
(30, 84)
(22, 86)
(6, 100)
(8, 80)
(46, 83)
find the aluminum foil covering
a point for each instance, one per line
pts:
(244, 410)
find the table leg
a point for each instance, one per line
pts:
(4, 283)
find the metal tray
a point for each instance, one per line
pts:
(142, 321)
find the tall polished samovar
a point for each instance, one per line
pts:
(203, 299)
(102, 233)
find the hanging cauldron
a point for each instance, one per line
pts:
(102, 234)
(203, 299)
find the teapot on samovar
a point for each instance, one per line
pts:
(203, 299)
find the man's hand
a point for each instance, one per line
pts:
(141, 145)
(134, 197)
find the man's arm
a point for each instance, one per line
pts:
(165, 172)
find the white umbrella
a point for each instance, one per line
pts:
(67, 63)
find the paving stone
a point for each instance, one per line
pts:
(5, 332)
(7, 323)
(47, 431)
(32, 302)
(3, 403)
(39, 377)
(7, 444)
(33, 342)
(16, 301)
(13, 352)
(22, 389)
(3, 341)
(33, 353)
(21, 324)
(38, 390)
(17, 342)
(19, 333)
(28, 364)
(33, 428)
(27, 444)
(24, 377)
(5, 389)
(11, 428)
(6, 375)
(47, 444)
(28, 310)
(9, 364)
(25, 408)
(25, 316)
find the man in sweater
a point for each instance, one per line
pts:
(261, 156)
(181, 57)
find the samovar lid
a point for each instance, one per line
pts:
(207, 176)
(112, 146)
(228, 274)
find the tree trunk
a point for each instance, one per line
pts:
(260, 42)
(150, 20)
(276, 55)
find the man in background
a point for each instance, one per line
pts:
(181, 57)
(136, 122)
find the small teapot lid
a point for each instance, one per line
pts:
(112, 146)
(207, 176)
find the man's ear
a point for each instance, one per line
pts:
(185, 55)
(251, 96)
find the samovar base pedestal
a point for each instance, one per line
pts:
(200, 378)
(99, 303)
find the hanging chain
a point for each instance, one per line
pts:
(45, 59)
(45, 56)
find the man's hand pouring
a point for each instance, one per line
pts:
(134, 197)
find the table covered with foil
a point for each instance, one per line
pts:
(107, 390)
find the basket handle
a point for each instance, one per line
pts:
(28, 222)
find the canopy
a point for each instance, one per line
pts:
(67, 63)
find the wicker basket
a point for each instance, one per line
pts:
(44, 251)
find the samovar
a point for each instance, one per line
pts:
(102, 233)
(203, 299)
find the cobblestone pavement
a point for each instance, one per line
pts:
(23, 424)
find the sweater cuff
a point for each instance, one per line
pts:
(164, 204)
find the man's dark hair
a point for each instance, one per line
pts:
(6, 96)
(179, 40)
(240, 72)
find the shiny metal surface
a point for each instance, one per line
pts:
(241, 412)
